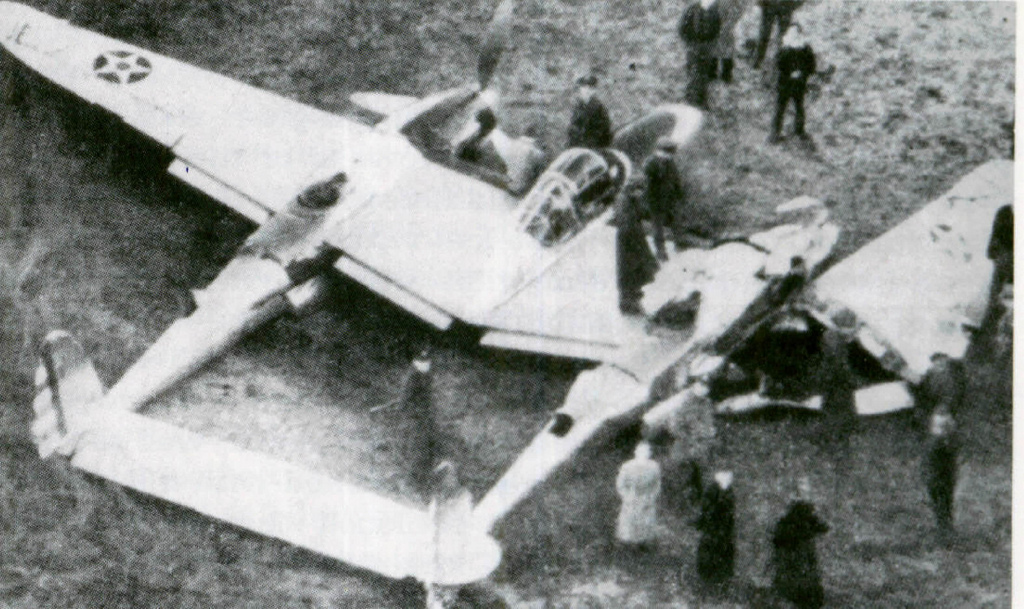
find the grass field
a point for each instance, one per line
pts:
(99, 242)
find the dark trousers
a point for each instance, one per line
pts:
(701, 67)
(660, 222)
(941, 496)
(769, 16)
(785, 95)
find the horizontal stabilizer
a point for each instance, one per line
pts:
(274, 498)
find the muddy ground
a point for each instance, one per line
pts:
(95, 239)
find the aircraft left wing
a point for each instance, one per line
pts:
(250, 149)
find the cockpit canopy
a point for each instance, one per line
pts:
(578, 187)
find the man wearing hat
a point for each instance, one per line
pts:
(666, 193)
(589, 126)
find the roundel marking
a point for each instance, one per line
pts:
(121, 67)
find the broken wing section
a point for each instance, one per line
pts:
(922, 286)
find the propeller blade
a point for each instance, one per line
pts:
(495, 40)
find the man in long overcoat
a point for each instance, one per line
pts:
(422, 438)
(666, 194)
(589, 125)
(716, 552)
(797, 577)
(639, 486)
(635, 265)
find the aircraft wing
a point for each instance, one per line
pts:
(250, 149)
(920, 287)
(571, 309)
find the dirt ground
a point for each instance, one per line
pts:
(94, 238)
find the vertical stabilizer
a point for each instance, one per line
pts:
(66, 383)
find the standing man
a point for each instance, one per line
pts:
(796, 64)
(418, 400)
(716, 552)
(797, 578)
(635, 265)
(940, 465)
(772, 12)
(665, 194)
(699, 30)
(639, 486)
(589, 125)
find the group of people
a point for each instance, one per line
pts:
(690, 427)
(708, 30)
(796, 575)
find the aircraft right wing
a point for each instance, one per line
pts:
(250, 149)
(922, 285)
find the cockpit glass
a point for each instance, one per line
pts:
(553, 219)
(567, 197)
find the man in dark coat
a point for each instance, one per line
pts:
(940, 466)
(796, 63)
(716, 552)
(589, 125)
(772, 12)
(666, 193)
(699, 29)
(417, 399)
(797, 578)
(635, 265)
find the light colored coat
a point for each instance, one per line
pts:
(639, 486)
